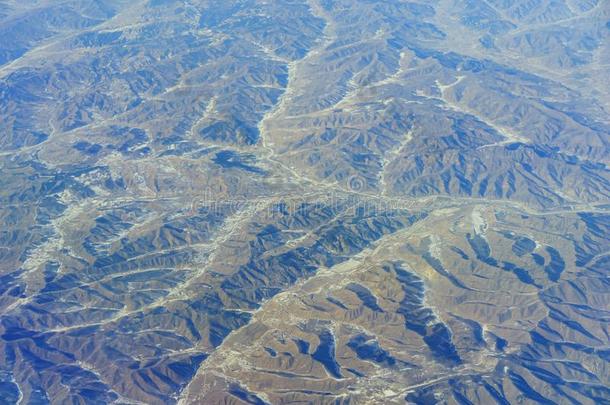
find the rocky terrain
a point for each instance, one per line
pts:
(304, 201)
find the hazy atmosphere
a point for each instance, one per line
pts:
(304, 202)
